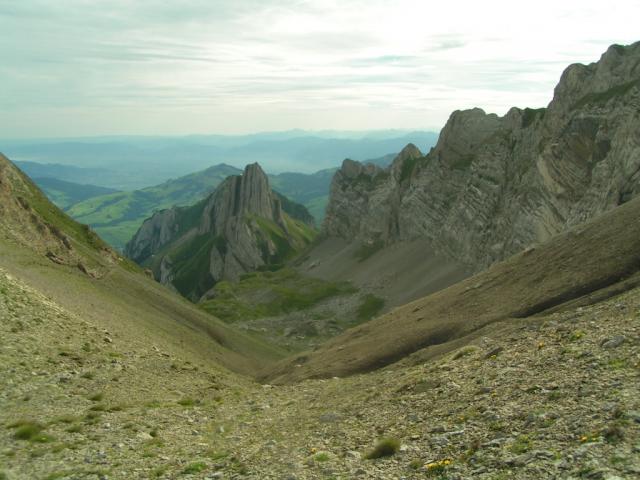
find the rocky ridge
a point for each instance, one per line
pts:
(494, 185)
(240, 227)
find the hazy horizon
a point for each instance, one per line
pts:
(76, 69)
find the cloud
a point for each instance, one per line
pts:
(203, 66)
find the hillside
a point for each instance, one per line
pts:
(584, 265)
(69, 262)
(398, 273)
(242, 226)
(117, 216)
(494, 185)
(64, 194)
(551, 398)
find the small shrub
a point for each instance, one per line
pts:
(386, 447)
(30, 431)
(555, 395)
(188, 402)
(67, 419)
(521, 445)
(321, 457)
(577, 335)
(196, 467)
(370, 307)
(97, 397)
(91, 418)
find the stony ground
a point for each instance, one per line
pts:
(558, 397)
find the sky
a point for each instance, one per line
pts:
(162, 67)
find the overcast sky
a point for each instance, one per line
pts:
(75, 68)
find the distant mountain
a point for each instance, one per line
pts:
(117, 216)
(383, 161)
(240, 227)
(103, 177)
(311, 190)
(128, 163)
(64, 194)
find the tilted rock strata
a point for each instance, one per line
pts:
(494, 185)
(238, 228)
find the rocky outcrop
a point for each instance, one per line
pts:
(242, 226)
(494, 185)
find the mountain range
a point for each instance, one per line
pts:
(116, 215)
(133, 163)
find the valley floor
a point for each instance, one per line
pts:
(550, 397)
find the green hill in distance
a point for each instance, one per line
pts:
(117, 216)
(65, 194)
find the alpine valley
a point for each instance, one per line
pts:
(467, 311)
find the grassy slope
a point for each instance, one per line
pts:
(64, 194)
(117, 216)
(290, 309)
(262, 294)
(121, 295)
(584, 260)
(526, 401)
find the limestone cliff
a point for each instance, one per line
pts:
(240, 227)
(494, 185)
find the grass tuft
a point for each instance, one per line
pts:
(97, 397)
(386, 447)
(30, 431)
(196, 467)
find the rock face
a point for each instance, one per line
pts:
(240, 227)
(494, 185)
